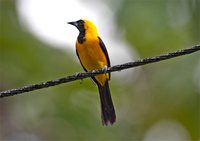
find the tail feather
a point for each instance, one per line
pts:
(107, 108)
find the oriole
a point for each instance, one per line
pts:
(92, 54)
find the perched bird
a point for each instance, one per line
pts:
(92, 54)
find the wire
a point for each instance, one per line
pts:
(79, 76)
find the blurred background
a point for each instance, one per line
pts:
(155, 102)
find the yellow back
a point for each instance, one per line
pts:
(90, 29)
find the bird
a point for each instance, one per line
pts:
(92, 54)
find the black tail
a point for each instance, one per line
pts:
(107, 108)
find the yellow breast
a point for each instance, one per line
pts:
(92, 57)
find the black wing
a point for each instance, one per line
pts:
(103, 47)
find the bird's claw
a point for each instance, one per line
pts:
(76, 75)
(105, 69)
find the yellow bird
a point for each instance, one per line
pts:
(92, 54)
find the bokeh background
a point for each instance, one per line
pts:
(156, 102)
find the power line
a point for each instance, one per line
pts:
(79, 76)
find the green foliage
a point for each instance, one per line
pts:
(166, 90)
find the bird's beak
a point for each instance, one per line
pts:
(73, 23)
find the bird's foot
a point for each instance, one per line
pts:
(105, 69)
(76, 75)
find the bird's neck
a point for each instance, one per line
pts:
(87, 33)
(81, 36)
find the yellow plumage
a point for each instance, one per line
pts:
(93, 55)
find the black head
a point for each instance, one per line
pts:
(79, 24)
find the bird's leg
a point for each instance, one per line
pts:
(105, 68)
(76, 75)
